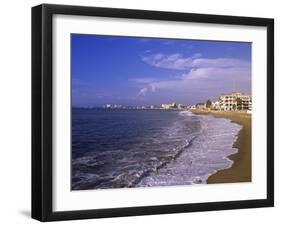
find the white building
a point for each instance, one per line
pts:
(235, 101)
(169, 106)
(200, 106)
(181, 106)
(216, 105)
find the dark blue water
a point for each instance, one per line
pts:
(114, 148)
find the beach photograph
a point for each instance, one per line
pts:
(149, 112)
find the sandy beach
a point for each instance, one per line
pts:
(241, 168)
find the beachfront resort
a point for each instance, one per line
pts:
(235, 101)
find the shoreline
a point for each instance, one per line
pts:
(240, 171)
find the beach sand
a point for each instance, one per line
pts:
(241, 168)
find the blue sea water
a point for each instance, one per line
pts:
(115, 148)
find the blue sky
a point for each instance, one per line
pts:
(145, 71)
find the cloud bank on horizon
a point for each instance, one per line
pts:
(133, 71)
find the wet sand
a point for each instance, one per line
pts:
(241, 168)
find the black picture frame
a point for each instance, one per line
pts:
(42, 111)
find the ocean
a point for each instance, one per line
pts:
(116, 148)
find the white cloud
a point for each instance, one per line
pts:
(142, 92)
(179, 62)
(150, 87)
(213, 73)
(219, 63)
(200, 75)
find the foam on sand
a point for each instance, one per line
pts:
(206, 155)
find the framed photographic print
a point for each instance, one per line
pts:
(145, 112)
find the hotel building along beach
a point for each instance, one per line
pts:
(235, 101)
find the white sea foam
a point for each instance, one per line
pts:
(205, 156)
(186, 113)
